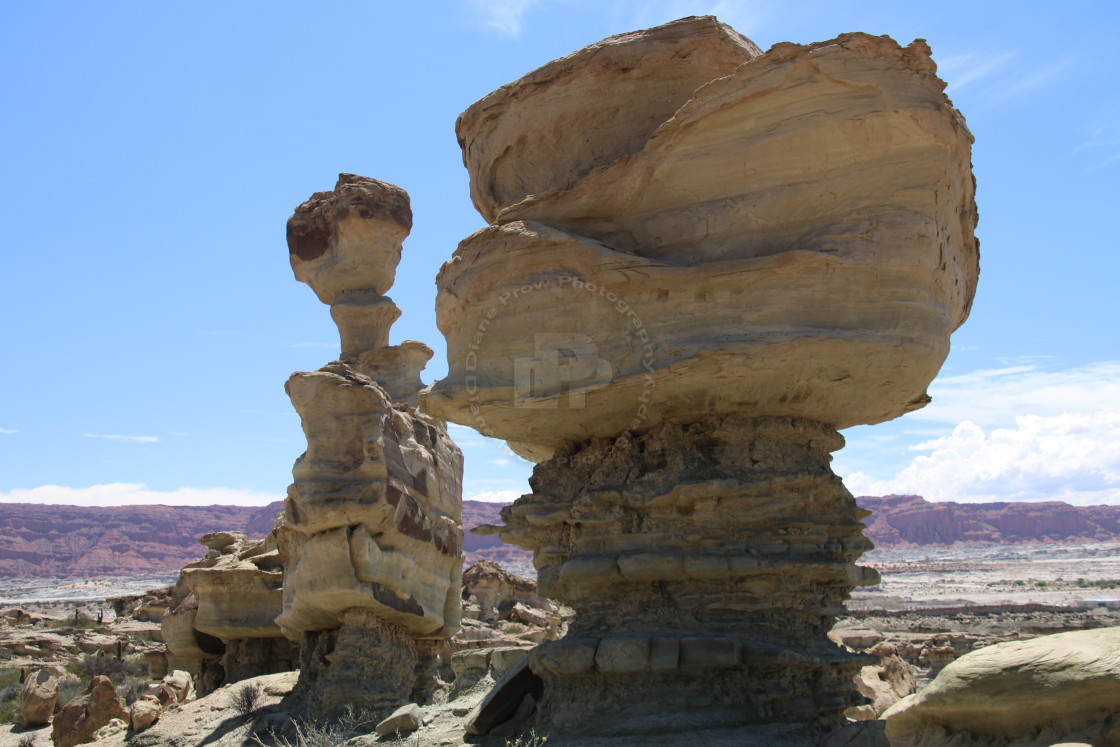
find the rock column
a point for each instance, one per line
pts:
(702, 262)
(371, 535)
(706, 563)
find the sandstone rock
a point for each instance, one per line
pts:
(495, 589)
(371, 537)
(885, 683)
(38, 698)
(111, 729)
(144, 712)
(405, 719)
(350, 238)
(229, 597)
(181, 684)
(1064, 687)
(79, 720)
(679, 300)
(373, 517)
(667, 268)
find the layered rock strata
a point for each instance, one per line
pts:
(371, 534)
(702, 261)
(715, 552)
(221, 623)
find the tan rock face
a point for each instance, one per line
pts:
(374, 518)
(80, 719)
(701, 262)
(37, 699)
(233, 594)
(350, 238)
(794, 238)
(1062, 687)
(371, 538)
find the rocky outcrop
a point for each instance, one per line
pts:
(371, 535)
(679, 300)
(38, 698)
(495, 590)
(221, 626)
(80, 719)
(821, 286)
(902, 520)
(883, 683)
(1057, 688)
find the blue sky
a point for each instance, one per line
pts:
(152, 152)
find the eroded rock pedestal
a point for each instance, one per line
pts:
(702, 261)
(706, 564)
(371, 535)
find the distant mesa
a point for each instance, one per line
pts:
(38, 541)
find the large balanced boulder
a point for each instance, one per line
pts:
(701, 262)
(1055, 688)
(80, 719)
(38, 698)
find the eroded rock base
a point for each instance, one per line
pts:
(367, 663)
(706, 563)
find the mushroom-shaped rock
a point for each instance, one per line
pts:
(701, 262)
(349, 239)
(793, 237)
(371, 537)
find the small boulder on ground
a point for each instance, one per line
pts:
(38, 698)
(81, 718)
(405, 719)
(144, 712)
(181, 684)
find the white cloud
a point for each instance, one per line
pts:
(1072, 457)
(135, 494)
(500, 461)
(1026, 431)
(995, 397)
(507, 17)
(118, 437)
(495, 496)
(960, 70)
(8, 430)
(1029, 81)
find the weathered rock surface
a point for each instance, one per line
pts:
(821, 279)
(221, 625)
(371, 537)
(1063, 687)
(679, 299)
(38, 698)
(346, 245)
(80, 719)
(883, 684)
(144, 712)
(495, 590)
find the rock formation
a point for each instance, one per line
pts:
(1056, 688)
(371, 535)
(38, 698)
(701, 262)
(221, 624)
(79, 720)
